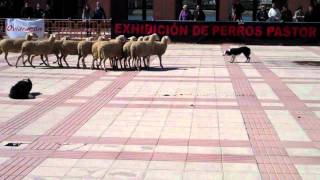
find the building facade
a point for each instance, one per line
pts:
(215, 10)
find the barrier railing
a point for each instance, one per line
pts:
(75, 28)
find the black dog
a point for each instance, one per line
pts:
(21, 89)
(236, 51)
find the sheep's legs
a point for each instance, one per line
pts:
(83, 63)
(125, 62)
(160, 59)
(6, 58)
(144, 62)
(18, 60)
(30, 59)
(92, 65)
(117, 61)
(104, 64)
(60, 61)
(57, 61)
(133, 63)
(111, 63)
(43, 62)
(99, 63)
(129, 62)
(148, 62)
(24, 61)
(139, 63)
(78, 64)
(46, 56)
(64, 59)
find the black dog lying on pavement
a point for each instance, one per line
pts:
(21, 90)
(237, 51)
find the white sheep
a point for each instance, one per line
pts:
(142, 49)
(56, 50)
(85, 48)
(112, 50)
(126, 51)
(147, 38)
(159, 48)
(69, 47)
(95, 51)
(36, 48)
(13, 45)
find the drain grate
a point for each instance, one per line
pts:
(13, 144)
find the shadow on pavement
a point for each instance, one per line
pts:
(307, 63)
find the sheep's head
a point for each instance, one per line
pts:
(154, 37)
(146, 38)
(101, 38)
(140, 38)
(166, 39)
(65, 38)
(89, 39)
(121, 38)
(52, 37)
(29, 36)
(132, 38)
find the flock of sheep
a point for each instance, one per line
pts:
(121, 52)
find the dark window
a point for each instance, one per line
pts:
(136, 8)
(247, 15)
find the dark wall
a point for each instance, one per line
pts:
(11, 8)
(67, 8)
(178, 8)
(119, 9)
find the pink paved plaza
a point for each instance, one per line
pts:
(199, 118)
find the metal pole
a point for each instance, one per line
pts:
(144, 10)
(254, 10)
(217, 10)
